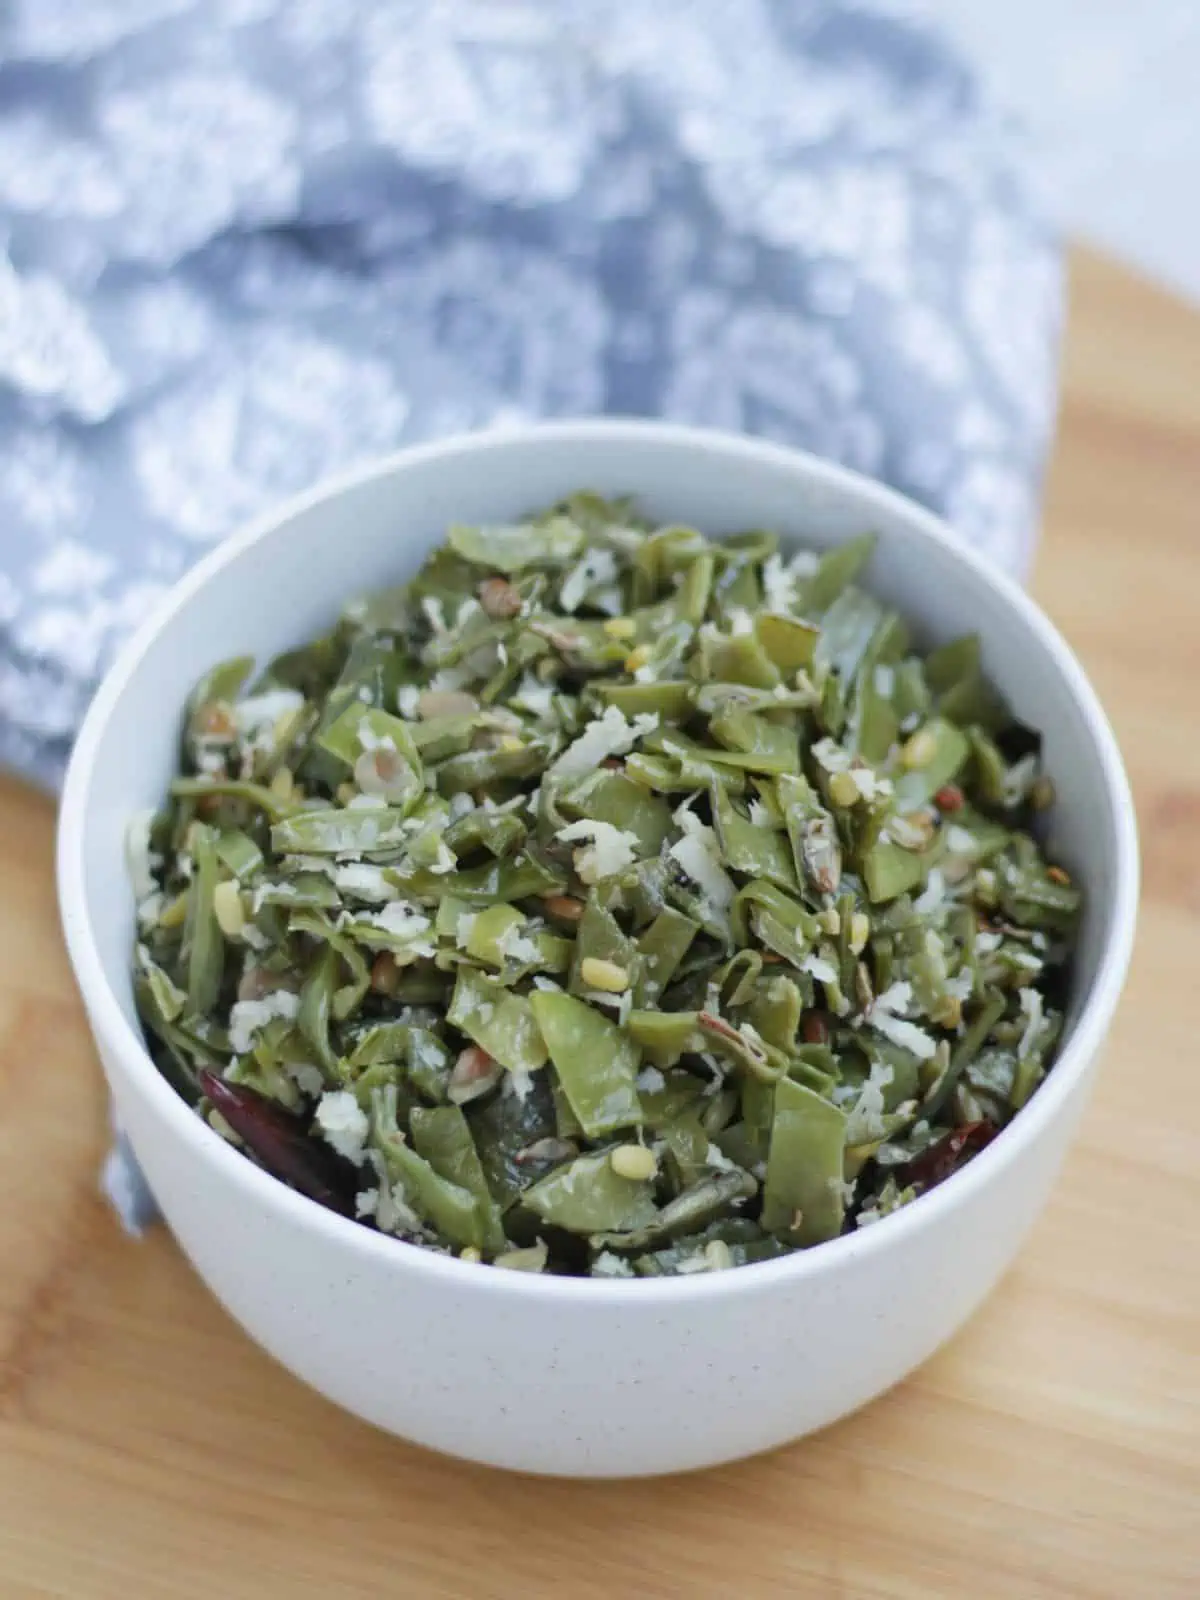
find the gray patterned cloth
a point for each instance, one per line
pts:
(244, 243)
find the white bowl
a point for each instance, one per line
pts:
(560, 1375)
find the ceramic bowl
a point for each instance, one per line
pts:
(557, 1375)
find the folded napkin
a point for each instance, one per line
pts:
(247, 242)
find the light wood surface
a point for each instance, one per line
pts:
(148, 1449)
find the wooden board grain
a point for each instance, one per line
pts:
(1053, 1450)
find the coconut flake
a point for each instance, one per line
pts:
(1025, 959)
(536, 698)
(392, 1212)
(1020, 778)
(303, 863)
(368, 739)
(831, 755)
(306, 1077)
(608, 1265)
(594, 567)
(960, 986)
(1033, 1012)
(885, 1015)
(248, 1017)
(608, 735)
(716, 1158)
(343, 1124)
(805, 563)
(516, 944)
(699, 854)
(364, 881)
(399, 918)
(869, 784)
(518, 1084)
(139, 858)
(149, 909)
(905, 1034)
(864, 1124)
(612, 849)
(781, 588)
(211, 761)
(444, 860)
(897, 997)
(262, 711)
(435, 612)
(961, 841)
(933, 894)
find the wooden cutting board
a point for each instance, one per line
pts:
(148, 1449)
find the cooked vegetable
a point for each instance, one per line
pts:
(606, 901)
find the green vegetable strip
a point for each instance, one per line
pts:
(595, 1060)
(662, 948)
(453, 1210)
(750, 847)
(442, 1137)
(802, 1196)
(501, 1023)
(203, 936)
(588, 1196)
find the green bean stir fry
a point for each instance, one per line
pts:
(607, 901)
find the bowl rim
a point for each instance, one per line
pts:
(109, 1023)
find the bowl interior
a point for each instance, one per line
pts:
(284, 580)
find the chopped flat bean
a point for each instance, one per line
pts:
(591, 1196)
(596, 1062)
(503, 1024)
(802, 1195)
(446, 1206)
(202, 933)
(443, 1138)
